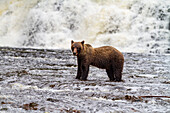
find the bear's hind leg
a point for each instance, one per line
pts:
(117, 72)
(118, 75)
(110, 74)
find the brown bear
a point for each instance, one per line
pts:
(105, 57)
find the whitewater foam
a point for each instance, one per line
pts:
(130, 26)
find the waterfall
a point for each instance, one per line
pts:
(141, 26)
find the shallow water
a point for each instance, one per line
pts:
(40, 80)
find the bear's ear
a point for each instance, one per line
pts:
(82, 42)
(72, 41)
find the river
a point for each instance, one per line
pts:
(43, 80)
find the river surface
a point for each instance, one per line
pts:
(43, 81)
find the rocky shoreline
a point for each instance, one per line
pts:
(41, 80)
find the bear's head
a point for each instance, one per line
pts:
(77, 47)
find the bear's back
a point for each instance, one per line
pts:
(88, 45)
(105, 55)
(109, 50)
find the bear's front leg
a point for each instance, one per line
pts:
(79, 69)
(85, 69)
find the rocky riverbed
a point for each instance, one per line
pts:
(40, 80)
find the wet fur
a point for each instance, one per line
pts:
(105, 57)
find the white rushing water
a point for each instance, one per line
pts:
(141, 26)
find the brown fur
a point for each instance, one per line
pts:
(105, 57)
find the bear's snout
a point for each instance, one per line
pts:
(75, 51)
